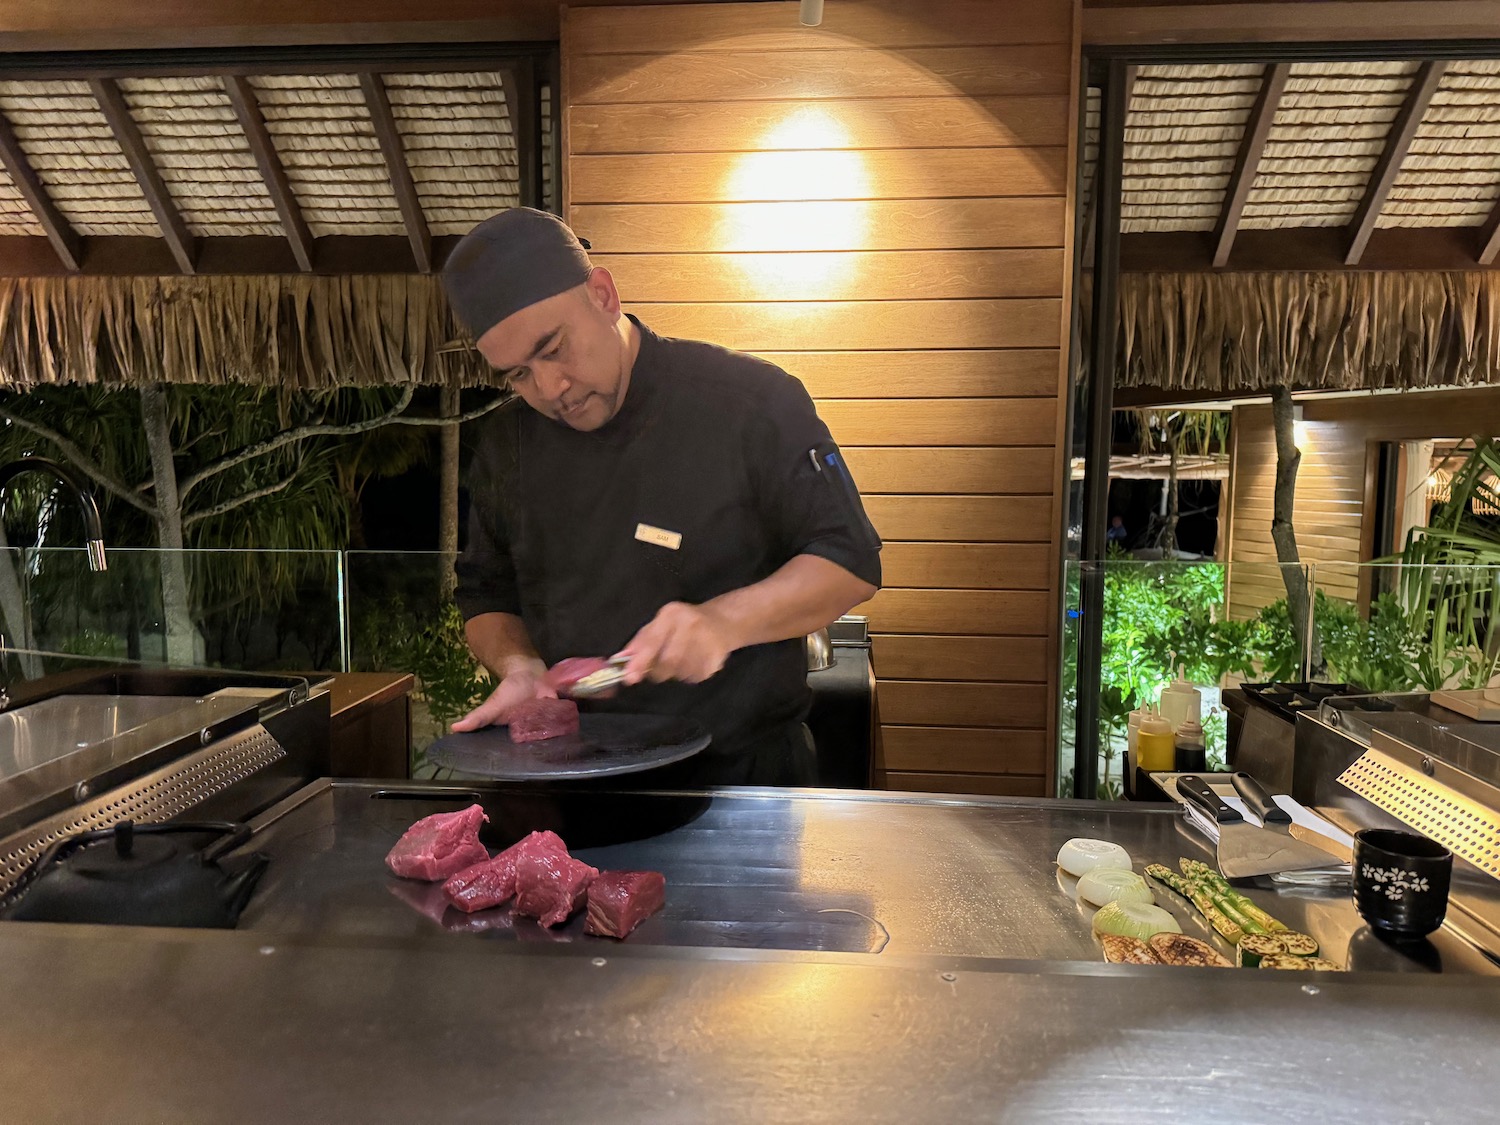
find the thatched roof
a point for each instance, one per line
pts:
(1331, 123)
(455, 129)
(289, 331)
(269, 216)
(1359, 329)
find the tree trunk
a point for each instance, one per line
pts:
(184, 645)
(448, 492)
(1283, 534)
(14, 620)
(1169, 529)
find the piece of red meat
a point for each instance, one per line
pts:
(619, 901)
(550, 888)
(565, 673)
(490, 883)
(537, 719)
(439, 845)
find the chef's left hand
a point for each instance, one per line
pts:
(682, 642)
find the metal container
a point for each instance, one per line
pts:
(819, 651)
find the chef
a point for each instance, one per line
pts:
(667, 500)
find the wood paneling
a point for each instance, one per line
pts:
(986, 784)
(979, 612)
(772, 176)
(917, 703)
(774, 27)
(1001, 373)
(1022, 322)
(940, 421)
(977, 659)
(1021, 470)
(878, 275)
(967, 566)
(835, 74)
(972, 519)
(879, 206)
(863, 123)
(955, 750)
(806, 225)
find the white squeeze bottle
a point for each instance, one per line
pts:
(1181, 701)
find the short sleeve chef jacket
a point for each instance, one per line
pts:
(702, 483)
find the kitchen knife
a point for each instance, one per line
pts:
(1244, 850)
(1261, 803)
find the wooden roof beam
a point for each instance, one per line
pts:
(1397, 144)
(405, 189)
(1247, 159)
(1489, 237)
(59, 231)
(138, 156)
(268, 160)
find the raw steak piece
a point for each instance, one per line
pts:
(565, 673)
(550, 887)
(619, 901)
(537, 719)
(490, 883)
(438, 845)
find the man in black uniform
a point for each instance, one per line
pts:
(667, 500)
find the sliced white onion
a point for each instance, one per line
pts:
(1108, 884)
(1080, 855)
(1134, 919)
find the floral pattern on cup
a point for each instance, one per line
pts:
(1395, 881)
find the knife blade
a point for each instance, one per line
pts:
(1262, 803)
(1244, 850)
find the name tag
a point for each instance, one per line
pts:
(671, 540)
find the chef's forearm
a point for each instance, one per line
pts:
(501, 643)
(803, 596)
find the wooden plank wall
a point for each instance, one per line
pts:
(880, 205)
(1335, 488)
(1328, 516)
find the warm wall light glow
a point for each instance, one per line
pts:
(814, 189)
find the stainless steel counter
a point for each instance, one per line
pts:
(741, 1001)
(841, 871)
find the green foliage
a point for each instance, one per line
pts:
(435, 651)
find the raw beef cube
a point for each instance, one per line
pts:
(537, 719)
(439, 845)
(619, 901)
(550, 887)
(565, 673)
(490, 883)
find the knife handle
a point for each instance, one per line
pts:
(1259, 798)
(1196, 790)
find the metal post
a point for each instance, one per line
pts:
(1100, 422)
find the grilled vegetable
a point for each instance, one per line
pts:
(1179, 949)
(1287, 961)
(1219, 887)
(1299, 945)
(1134, 919)
(1255, 948)
(1226, 929)
(1121, 950)
(1081, 855)
(1107, 884)
(1323, 964)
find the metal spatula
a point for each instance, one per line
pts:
(1244, 850)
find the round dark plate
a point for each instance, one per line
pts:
(607, 743)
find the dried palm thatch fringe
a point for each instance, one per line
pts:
(1242, 331)
(289, 331)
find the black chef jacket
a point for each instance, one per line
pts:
(702, 483)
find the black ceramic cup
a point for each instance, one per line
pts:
(1401, 882)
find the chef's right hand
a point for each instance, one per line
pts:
(516, 688)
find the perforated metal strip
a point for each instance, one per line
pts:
(158, 796)
(1465, 827)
